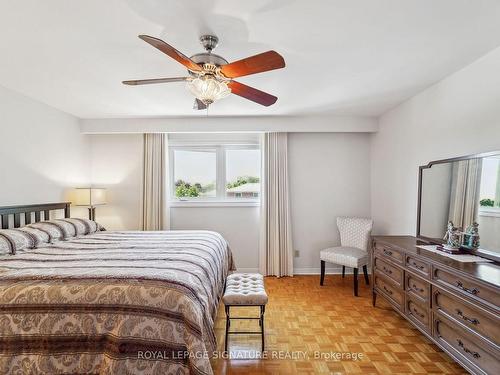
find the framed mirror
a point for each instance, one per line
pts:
(464, 190)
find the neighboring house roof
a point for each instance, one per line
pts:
(246, 188)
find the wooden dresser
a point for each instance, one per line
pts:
(454, 304)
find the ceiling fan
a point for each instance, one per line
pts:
(211, 76)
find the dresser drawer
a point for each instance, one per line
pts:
(392, 272)
(389, 253)
(420, 267)
(389, 290)
(476, 353)
(418, 312)
(466, 287)
(480, 321)
(417, 287)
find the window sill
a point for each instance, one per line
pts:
(492, 212)
(214, 204)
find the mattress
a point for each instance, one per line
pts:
(113, 303)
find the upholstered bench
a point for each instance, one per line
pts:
(245, 289)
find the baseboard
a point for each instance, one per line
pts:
(328, 271)
(306, 271)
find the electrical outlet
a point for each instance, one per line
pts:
(297, 253)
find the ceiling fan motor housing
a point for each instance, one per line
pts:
(209, 42)
(207, 58)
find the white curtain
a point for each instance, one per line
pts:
(465, 185)
(276, 249)
(155, 213)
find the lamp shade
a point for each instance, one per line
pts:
(208, 89)
(90, 196)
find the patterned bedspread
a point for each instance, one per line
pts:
(113, 303)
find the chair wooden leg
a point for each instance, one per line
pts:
(365, 271)
(356, 282)
(343, 271)
(322, 278)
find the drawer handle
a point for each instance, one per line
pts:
(417, 289)
(387, 270)
(420, 267)
(470, 291)
(387, 252)
(387, 290)
(466, 318)
(419, 314)
(467, 350)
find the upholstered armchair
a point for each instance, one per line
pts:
(353, 252)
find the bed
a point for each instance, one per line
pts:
(109, 302)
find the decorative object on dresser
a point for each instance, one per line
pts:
(90, 197)
(452, 299)
(354, 239)
(453, 237)
(471, 235)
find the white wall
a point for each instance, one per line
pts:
(238, 225)
(329, 177)
(458, 116)
(43, 154)
(116, 164)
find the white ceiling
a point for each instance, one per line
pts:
(355, 57)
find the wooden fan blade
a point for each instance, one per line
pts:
(263, 62)
(171, 51)
(252, 94)
(198, 104)
(154, 80)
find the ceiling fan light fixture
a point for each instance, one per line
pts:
(208, 89)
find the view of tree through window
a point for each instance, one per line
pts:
(243, 173)
(196, 174)
(490, 183)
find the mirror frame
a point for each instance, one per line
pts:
(484, 253)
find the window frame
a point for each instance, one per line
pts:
(220, 198)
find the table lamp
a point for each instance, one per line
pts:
(90, 197)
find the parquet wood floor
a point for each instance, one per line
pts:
(303, 317)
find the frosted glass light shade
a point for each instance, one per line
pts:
(90, 196)
(208, 89)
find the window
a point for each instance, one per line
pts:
(242, 173)
(195, 173)
(215, 173)
(489, 195)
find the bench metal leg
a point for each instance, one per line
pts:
(260, 319)
(227, 327)
(262, 311)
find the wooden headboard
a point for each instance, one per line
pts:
(27, 210)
